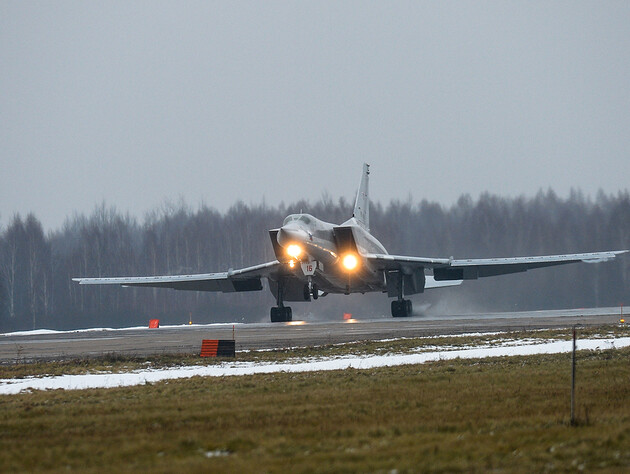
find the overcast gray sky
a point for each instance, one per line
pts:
(137, 102)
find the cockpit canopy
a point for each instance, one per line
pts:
(305, 218)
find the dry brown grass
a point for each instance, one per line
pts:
(475, 415)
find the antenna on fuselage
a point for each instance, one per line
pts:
(361, 211)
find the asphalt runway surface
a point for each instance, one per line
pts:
(256, 336)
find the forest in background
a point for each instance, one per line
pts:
(36, 290)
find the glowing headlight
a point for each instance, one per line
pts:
(294, 250)
(350, 261)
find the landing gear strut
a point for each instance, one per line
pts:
(401, 308)
(281, 313)
(310, 290)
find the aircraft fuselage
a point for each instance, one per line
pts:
(326, 256)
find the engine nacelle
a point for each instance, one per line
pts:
(412, 283)
(294, 290)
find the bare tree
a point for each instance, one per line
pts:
(36, 269)
(12, 265)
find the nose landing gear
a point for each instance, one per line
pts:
(310, 290)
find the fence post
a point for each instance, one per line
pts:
(573, 381)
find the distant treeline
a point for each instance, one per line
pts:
(36, 290)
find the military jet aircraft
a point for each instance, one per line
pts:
(316, 258)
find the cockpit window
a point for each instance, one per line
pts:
(298, 217)
(290, 218)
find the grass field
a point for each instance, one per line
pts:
(508, 414)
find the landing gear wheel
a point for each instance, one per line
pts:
(281, 314)
(401, 308)
(315, 292)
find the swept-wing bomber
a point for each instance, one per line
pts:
(316, 258)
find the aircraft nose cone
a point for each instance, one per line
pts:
(290, 235)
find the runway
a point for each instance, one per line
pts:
(255, 336)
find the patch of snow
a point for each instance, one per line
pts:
(216, 453)
(138, 377)
(39, 332)
(35, 332)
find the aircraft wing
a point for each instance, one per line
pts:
(470, 269)
(396, 262)
(244, 279)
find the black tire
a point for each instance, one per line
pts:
(401, 309)
(396, 309)
(281, 315)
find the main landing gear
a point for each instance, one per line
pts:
(401, 308)
(281, 313)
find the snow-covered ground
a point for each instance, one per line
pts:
(495, 349)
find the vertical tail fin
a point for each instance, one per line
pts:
(362, 205)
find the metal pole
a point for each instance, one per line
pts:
(573, 382)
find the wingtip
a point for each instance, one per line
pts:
(604, 256)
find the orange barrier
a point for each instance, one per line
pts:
(154, 323)
(218, 348)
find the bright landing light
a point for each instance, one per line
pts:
(350, 261)
(294, 250)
